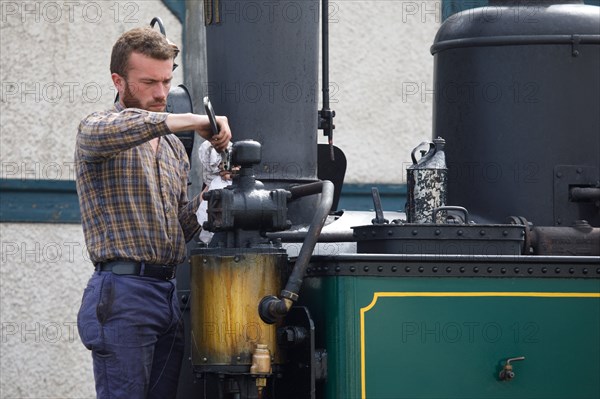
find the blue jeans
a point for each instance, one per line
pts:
(134, 328)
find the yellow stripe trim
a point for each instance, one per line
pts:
(378, 295)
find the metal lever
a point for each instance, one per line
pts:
(226, 154)
(379, 219)
(507, 372)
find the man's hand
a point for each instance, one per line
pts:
(201, 124)
(221, 140)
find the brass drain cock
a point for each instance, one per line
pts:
(261, 366)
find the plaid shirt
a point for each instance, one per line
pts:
(133, 202)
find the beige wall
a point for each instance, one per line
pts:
(44, 271)
(54, 70)
(379, 56)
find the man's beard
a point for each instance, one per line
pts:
(130, 101)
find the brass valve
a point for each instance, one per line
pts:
(507, 372)
(261, 366)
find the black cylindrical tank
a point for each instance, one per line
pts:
(262, 73)
(518, 102)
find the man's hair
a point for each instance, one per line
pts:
(146, 41)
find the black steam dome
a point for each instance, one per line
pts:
(517, 99)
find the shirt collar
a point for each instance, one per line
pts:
(118, 106)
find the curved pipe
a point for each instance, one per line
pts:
(161, 26)
(272, 308)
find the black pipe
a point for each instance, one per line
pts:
(581, 239)
(300, 235)
(305, 190)
(325, 52)
(326, 115)
(272, 308)
(585, 194)
(295, 280)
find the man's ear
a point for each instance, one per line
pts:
(119, 82)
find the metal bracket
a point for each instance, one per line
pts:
(304, 364)
(575, 41)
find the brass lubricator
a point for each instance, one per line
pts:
(240, 266)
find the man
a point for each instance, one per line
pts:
(132, 176)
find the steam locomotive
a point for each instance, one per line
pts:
(487, 286)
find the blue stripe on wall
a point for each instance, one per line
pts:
(358, 197)
(38, 201)
(55, 201)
